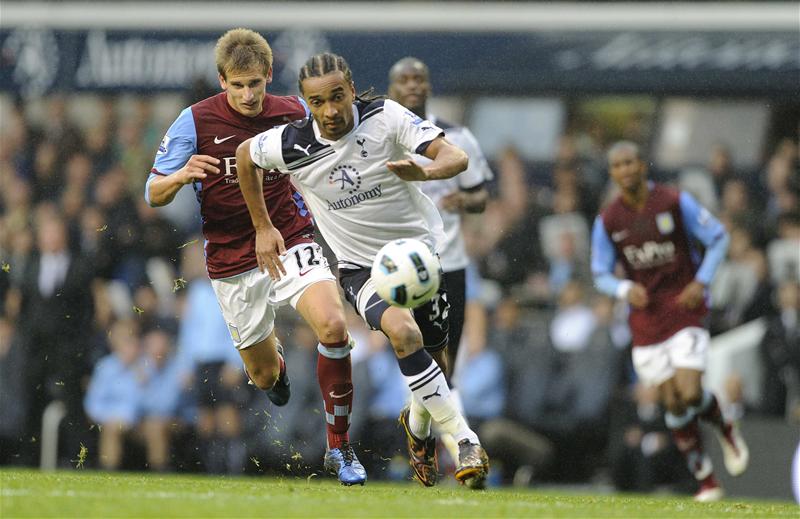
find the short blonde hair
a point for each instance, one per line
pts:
(241, 50)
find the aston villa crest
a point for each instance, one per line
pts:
(665, 223)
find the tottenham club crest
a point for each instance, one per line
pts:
(347, 178)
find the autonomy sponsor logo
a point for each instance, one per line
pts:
(347, 178)
(344, 203)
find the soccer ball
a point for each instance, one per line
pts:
(406, 273)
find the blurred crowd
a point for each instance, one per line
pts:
(105, 306)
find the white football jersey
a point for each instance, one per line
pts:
(358, 203)
(453, 253)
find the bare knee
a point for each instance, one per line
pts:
(405, 338)
(332, 329)
(264, 377)
(691, 396)
(671, 400)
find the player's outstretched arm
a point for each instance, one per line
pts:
(269, 242)
(162, 189)
(448, 161)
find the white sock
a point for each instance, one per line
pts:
(429, 390)
(419, 419)
(447, 439)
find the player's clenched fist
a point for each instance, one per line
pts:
(197, 168)
(692, 295)
(637, 296)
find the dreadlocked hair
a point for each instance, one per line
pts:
(327, 62)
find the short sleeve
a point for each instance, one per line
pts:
(177, 146)
(265, 149)
(408, 129)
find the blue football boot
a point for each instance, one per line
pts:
(344, 463)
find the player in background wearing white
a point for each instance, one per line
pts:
(199, 149)
(409, 85)
(350, 159)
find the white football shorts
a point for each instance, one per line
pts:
(686, 349)
(248, 300)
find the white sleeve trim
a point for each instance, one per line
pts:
(624, 288)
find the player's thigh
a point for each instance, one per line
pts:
(652, 364)
(670, 398)
(688, 352)
(246, 307)
(689, 385)
(321, 307)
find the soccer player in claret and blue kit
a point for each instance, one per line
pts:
(653, 232)
(200, 149)
(351, 160)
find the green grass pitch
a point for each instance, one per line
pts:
(26, 493)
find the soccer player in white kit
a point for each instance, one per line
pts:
(351, 161)
(409, 85)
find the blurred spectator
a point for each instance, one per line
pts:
(16, 239)
(783, 252)
(780, 350)
(289, 440)
(99, 145)
(574, 322)
(512, 441)
(164, 400)
(382, 393)
(642, 454)
(481, 382)
(735, 201)
(740, 283)
(114, 396)
(214, 368)
(782, 181)
(500, 240)
(13, 410)
(586, 373)
(565, 240)
(120, 240)
(720, 167)
(54, 319)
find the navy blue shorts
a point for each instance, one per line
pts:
(432, 317)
